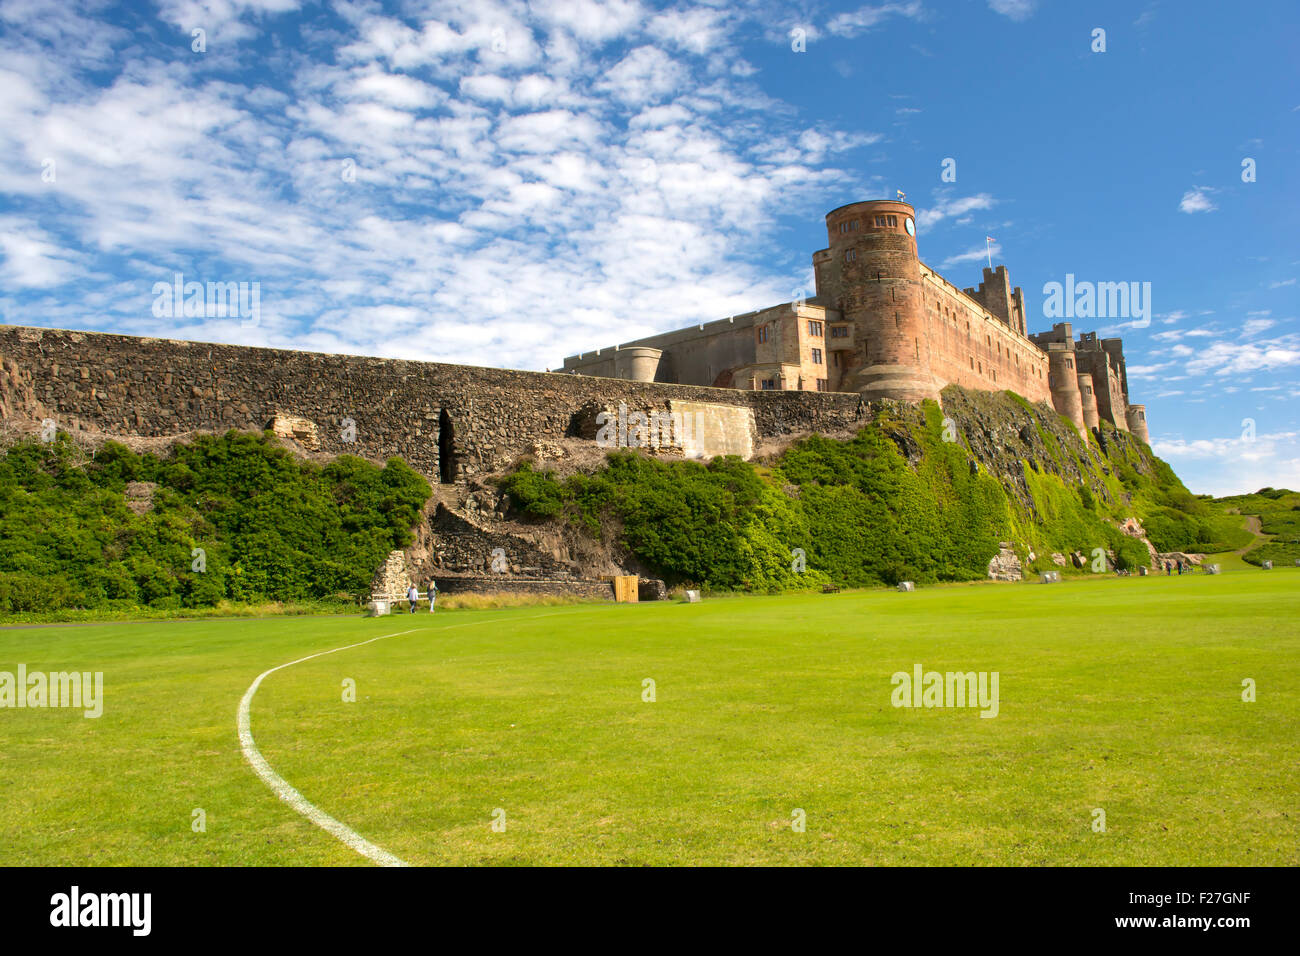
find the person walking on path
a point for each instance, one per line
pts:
(433, 593)
(413, 596)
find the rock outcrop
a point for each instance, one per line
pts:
(1005, 565)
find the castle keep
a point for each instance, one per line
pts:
(883, 324)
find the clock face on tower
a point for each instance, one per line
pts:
(911, 226)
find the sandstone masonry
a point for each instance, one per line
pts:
(885, 325)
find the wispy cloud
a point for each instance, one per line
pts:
(975, 254)
(1197, 199)
(865, 18)
(946, 206)
(1014, 9)
(1230, 358)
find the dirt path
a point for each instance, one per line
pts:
(1252, 525)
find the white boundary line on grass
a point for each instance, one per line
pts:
(286, 791)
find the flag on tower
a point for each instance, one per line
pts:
(901, 195)
(988, 244)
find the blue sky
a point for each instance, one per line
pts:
(506, 183)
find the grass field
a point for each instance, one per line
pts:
(1118, 694)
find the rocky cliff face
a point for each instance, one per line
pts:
(1008, 438)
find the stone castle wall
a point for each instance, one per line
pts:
(449, 422)
(970, 348)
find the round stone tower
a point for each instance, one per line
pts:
(874, 279)
(1136, 416)
(639, 363)
(1089, 401)
(1063, 381)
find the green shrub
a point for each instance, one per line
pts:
(536, 494)
(271, 527)
(1131, 554)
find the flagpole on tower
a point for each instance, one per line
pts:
(988, 245)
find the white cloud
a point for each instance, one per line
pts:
(1229, 358)
(223, 21)
(1014, 9)
(975, 254)
(945, 207)
(1235, 464)
(1197, 199)
(1148, 371)
(393, 89)
(699, 30)
(590, 20)
(865, 18)
(487, 87)
(31, 258)
(646, 75)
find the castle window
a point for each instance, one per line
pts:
(814, 328)
(853, 225)
(1087, 389)
(1069, 363)
(850, 255)
(817, 356)
(839, 331)
(823, 385)
(762, 333)
(768, 384)
(884, 221)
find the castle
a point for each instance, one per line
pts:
(883, 324)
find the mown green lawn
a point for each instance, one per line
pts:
(1115, 694)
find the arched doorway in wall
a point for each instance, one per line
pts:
(446, 449)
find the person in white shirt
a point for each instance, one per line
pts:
(413, 596)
